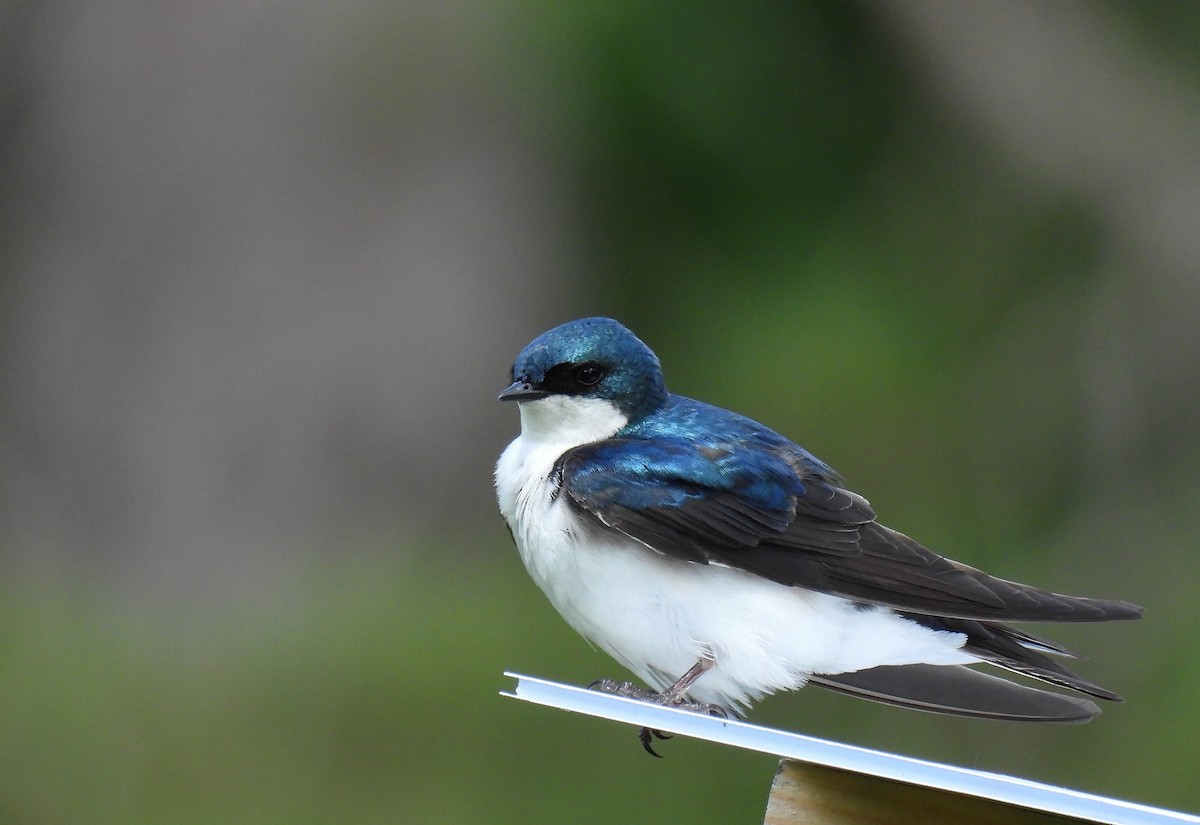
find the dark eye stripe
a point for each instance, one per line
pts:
(573, 379)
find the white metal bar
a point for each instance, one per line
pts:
(997, 787)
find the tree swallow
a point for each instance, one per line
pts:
(720, 562)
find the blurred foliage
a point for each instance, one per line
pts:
(362, 694)
(1163, 26)
(771, 203)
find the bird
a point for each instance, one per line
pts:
(720, 562)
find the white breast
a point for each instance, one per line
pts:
(544, 528)
(658, 615)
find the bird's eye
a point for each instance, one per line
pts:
(587, 375)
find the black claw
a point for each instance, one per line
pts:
(647, 736)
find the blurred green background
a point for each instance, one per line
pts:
(264, 268)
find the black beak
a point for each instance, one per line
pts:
(521, 390)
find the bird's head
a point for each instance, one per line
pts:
(590, 375)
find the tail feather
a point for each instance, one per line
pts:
(959, 691)
(1018, 651)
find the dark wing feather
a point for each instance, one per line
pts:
(761, 509)
(893, 570)
(959, 691)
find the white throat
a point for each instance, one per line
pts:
(567, 422)
(527, 494)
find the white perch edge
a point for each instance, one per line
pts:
(997, 787)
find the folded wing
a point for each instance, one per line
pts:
(761, 509)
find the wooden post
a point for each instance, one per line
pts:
(808, 794)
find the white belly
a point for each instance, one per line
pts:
(658, 616)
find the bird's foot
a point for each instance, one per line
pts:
(626, 689)
(666, 699)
